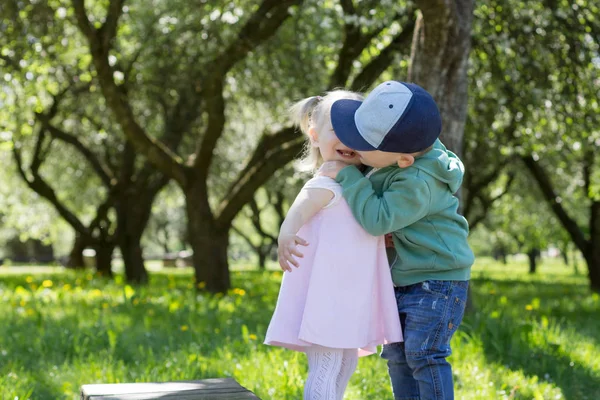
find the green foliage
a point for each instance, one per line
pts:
(531, 337)
(520, 222)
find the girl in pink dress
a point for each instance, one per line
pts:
(338, 302)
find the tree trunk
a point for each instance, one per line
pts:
(575, 262)
(104, 253)
(75, 260)
(593, 251)
(593, 263)
(133, 212)
(133, 259)
(262, 259)
(209, 243)
(564, 253)
(439, 61)
(532, 254)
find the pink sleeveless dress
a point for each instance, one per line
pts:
(342, 295)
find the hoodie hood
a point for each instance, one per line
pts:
(443, 165)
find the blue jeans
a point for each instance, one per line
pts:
(430, 313)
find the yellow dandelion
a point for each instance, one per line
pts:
(29, 279)
(184, 328)
(201, 285)
(67, 287)
(29, 312)
(47, 283)
(104, 305)
(22, 303)
(529, 307)
(34, 286)
(239, 292)
(252, 336)
(136, 302)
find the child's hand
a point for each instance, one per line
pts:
(286, 251)
(331, 168)
(389, 240)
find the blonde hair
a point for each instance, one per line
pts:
(315, 112)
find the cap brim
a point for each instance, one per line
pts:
(342, 120)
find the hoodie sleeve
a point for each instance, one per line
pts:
(406, 201)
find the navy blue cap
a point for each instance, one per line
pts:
(396, 117)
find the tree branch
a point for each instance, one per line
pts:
(588, 164)
(354, 44)
(103, 171)
(380, 63)
(246, 238)
(552, 198)
(255, 218)
(277, 204)
(487, 203)
(39, 185)
(253, 177)
(260, 26)
(108, 31)
(116, 98)
(83, 21)
(215, 108)
(265, 146)
(10, 62)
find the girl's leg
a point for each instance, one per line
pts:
(324, 366)
(349, 363)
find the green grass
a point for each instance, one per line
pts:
(530, 338)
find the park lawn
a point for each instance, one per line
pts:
(531, 337)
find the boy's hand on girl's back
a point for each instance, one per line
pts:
(389, 240)
(331, 168)
(286, 251)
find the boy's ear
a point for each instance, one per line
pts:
(314, 138)
(405, 161)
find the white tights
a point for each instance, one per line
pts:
(329, 371)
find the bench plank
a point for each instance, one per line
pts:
(206, 389)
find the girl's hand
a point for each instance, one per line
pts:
(331, 168)
(286, 251)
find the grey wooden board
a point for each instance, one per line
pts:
(206, 389)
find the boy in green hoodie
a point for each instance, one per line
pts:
(409, 192)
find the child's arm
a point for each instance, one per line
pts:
(306, 205)
(406, 201)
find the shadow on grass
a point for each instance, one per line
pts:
(512, 334)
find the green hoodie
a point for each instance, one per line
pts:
(417, 205)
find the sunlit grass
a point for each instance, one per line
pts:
(531, 337)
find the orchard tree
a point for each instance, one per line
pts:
(543, 60)
(210, 57)
(52, 104)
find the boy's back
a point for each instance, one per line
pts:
(420, 210)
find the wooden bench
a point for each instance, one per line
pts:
(206, 389)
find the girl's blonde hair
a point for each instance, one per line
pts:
(315, 112)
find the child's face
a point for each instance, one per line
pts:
(379, 159)
(330, 146)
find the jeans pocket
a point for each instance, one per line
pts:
(457, 310)
(437, 288)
